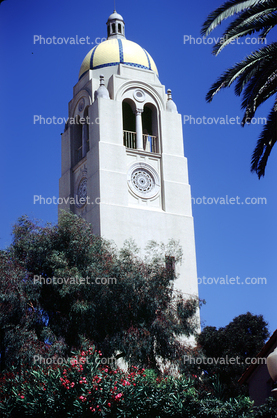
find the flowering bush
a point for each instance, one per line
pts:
(83, 387)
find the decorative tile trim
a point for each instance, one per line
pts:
(148, 59)
(121, 59)
(91, 57)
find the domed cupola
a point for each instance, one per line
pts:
(115, 26)
(117, 50)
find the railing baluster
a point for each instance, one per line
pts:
(149, 141)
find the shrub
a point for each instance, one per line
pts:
(83, 387)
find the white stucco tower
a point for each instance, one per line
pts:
(122, 152)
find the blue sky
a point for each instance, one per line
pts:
(231, 240)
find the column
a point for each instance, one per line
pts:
(139, 129)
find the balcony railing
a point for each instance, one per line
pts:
(129, 139)
(150, 142)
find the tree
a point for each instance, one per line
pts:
(74, 286)
(256, 75)
(240, 340)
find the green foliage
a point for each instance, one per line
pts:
(81, 386)
(240, 340)
(135, 313)
(256, 74)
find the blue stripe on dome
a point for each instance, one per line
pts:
(148, 59)
(136, 65)
(121, 59)
(91, 58)
(110, 64)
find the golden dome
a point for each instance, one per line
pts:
(117, 51)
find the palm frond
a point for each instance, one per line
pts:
(256, 74)
(227, 39)
(230, 75)
(229, 8)
(265, 143)
(267, 66)
(257, 93)
(254, 13)
(241, 27)
(264, 34)
(245, 78)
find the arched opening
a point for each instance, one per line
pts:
(85, 133)
(147, 119)
(129, 124)
(113, 27)
(77, 141)
(145, 137)
(119, 28)
(150, 128)
(80, 143)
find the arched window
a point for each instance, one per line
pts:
(145, 138)
(119, 28)
(147, 119)
(77, 141)
(129, 124)
(85, 133)
(113, 27)
(80, 143)
(150, 128)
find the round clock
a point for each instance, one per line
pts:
(82, 193)
(143, 180)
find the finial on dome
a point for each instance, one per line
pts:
(116, 26)
(170, 105)
(102, 91)
(102, 80)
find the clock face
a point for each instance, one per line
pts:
(82, 193)
(143, 181)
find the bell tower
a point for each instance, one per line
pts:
(123, 164)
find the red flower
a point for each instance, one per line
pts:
(118, 396)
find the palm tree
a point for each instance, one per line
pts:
(256, 75)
